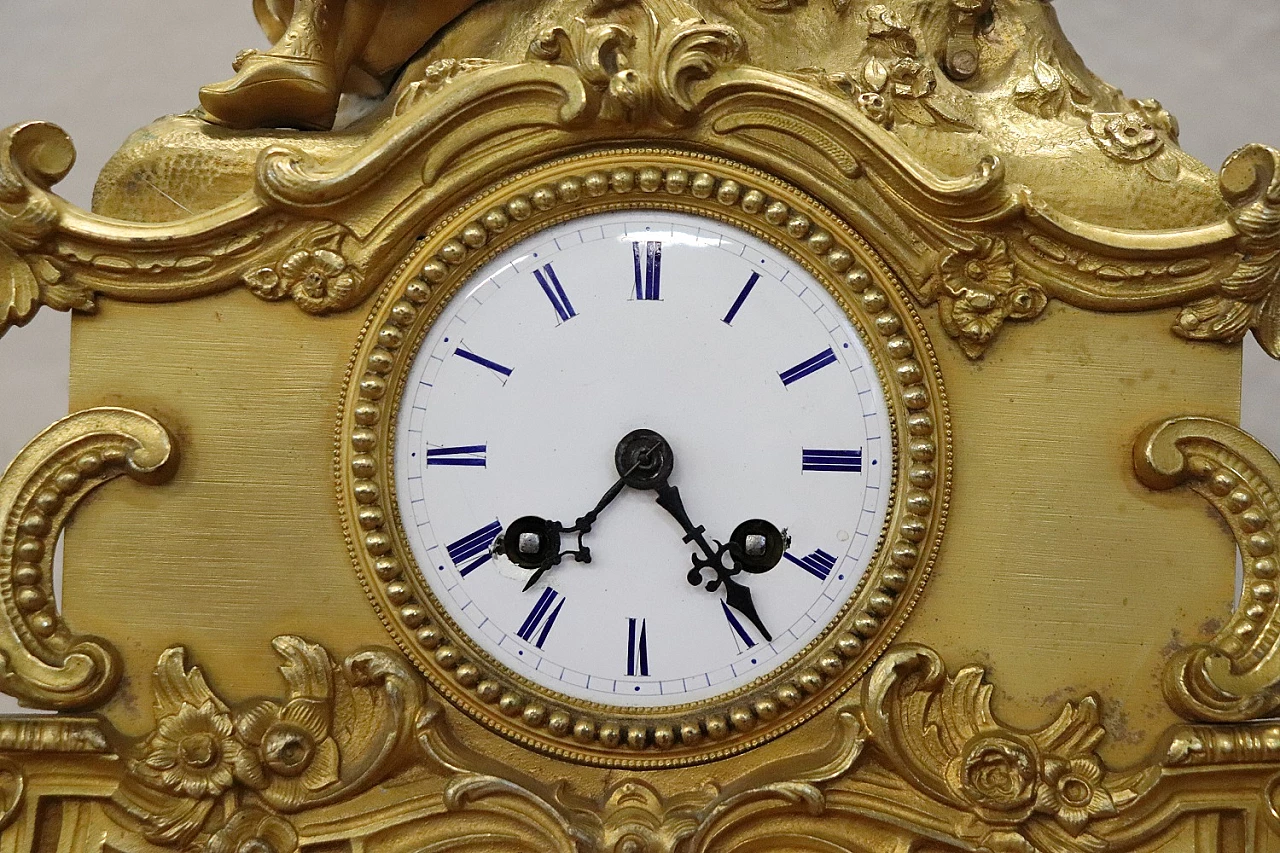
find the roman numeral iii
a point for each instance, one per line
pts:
(648, 262)
(541, 618)
(831, 460)
(637, 648)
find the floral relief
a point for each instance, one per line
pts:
(1028, 791)
(1071, 791)
(1048, 90)
(1126, 136)
(289, 748)
(997, 775)
(205, 760)
(1143, 135)
(193, 752)
(253, 830)
(318, 278)
(978, 289)
(894, 81)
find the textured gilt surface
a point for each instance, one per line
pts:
(1081, 283)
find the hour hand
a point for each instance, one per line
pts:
(533, 542)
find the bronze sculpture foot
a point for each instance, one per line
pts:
(274, 91)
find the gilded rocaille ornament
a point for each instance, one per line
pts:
(1050, 650)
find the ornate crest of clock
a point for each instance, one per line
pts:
(646, 426)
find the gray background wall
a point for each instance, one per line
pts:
(102, 68)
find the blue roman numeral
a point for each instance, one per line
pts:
(551, 286)
(740, 631)
(504, 372)
(742, 297)
(471, 456)
(813, 365)
(541, 618)
(637, 648)
(831, 460)
(648, 270)
(474, 545)
(819, 563)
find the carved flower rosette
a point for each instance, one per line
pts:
(219, 779)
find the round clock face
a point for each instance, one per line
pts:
(643, 458)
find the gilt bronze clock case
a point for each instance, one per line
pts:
(1048, 650)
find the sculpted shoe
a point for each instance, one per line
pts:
(274, 91)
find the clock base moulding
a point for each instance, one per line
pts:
(1077, 673)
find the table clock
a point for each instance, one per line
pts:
(646, 426)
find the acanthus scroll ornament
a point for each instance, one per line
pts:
(340, 731)
(674, 75)
(631, 816)
(365, 749)
(53, 254)
(1249, 299)
(1022, 791)
(644, 76)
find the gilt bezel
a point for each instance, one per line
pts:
(450, 252)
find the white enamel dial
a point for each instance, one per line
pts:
(561, 346)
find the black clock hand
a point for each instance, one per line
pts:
(655, 476)
(534, 543)
(736, 595)
(553, 529)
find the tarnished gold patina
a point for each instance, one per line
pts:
(1068, 666)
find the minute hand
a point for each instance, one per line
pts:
(736, 595)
